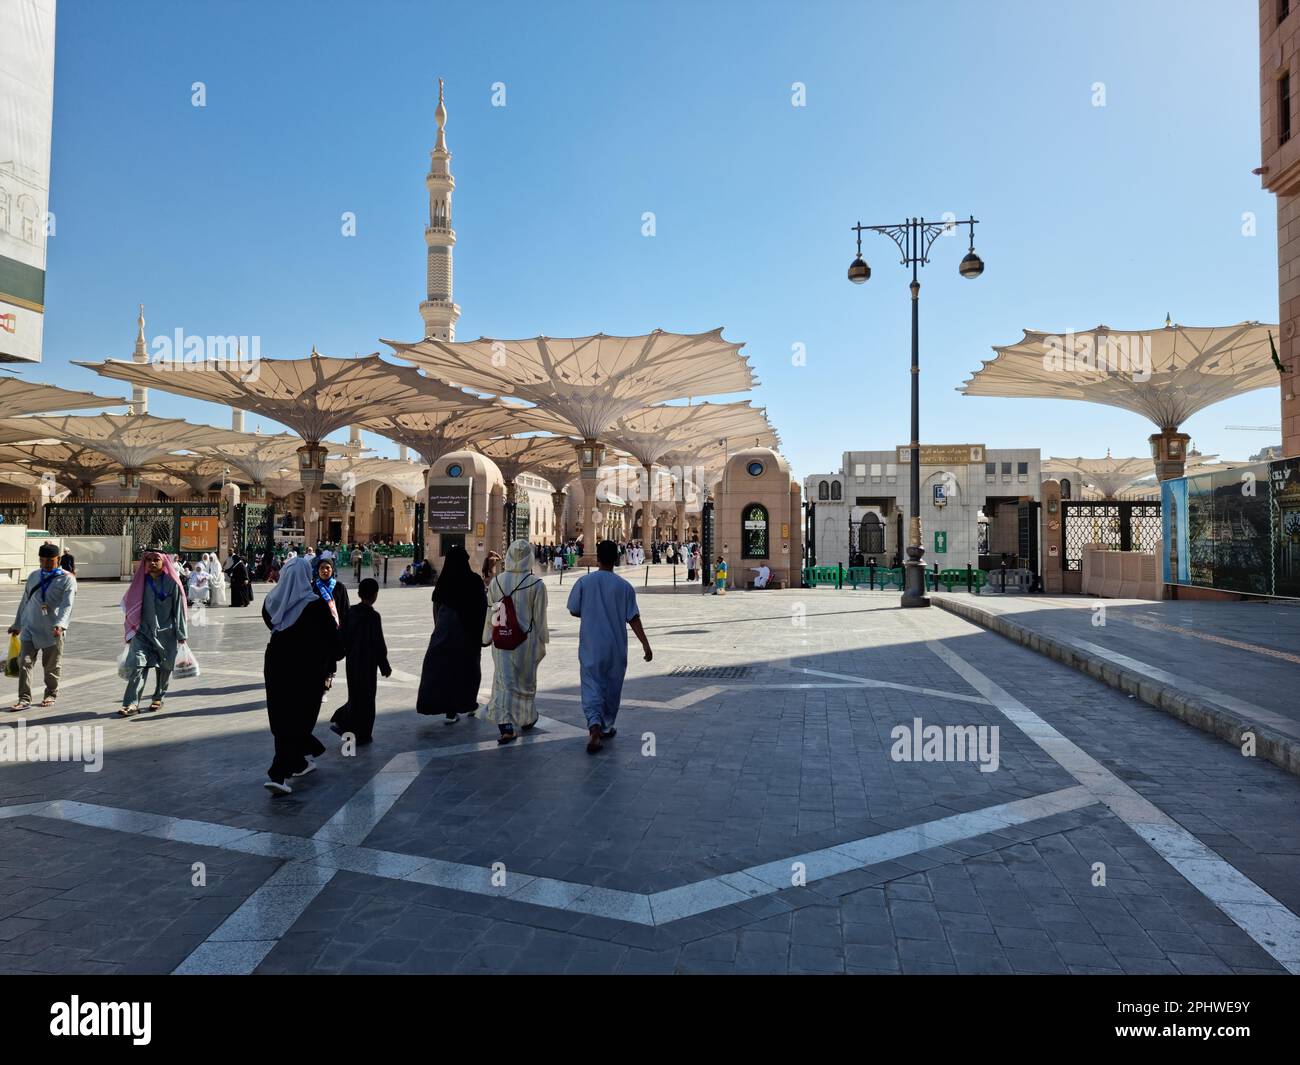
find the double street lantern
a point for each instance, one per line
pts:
(914, 238)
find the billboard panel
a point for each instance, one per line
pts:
(449, 502)
(1235, 530)
(26, 116)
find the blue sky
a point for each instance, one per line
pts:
(226, 219)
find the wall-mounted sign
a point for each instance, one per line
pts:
(940, 542)
(198, 534)
(449, 502)
(480, 529)
(940, 494)
(945, 454)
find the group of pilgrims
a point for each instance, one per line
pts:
(314, 627)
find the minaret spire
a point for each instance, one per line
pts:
(438, 309)
(140, 395)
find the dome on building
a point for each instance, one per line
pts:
(469, 464)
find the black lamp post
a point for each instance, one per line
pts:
(914, 238)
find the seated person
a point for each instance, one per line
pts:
(763, 576)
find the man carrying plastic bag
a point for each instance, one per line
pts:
(155, 628)
(42, 618)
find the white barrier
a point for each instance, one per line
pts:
(1120, 574)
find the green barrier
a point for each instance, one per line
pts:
(817, 575)
(883, 577)
(956, 578)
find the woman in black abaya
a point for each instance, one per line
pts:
(305, 645)
(450, 676)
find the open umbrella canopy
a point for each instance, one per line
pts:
(18, 397)
(258, 456)
(516, 455)
(1166, 375)
(652, 432)
(432, 434)
(74, 465)
(198, 472)
(131, 440)
(1109, 476)
(314, 396)
(349, 473)
(589, 382)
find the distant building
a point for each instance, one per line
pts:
(970, 505)
(1279, 82)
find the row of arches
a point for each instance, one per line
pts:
(829, 490)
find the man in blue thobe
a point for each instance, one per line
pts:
(605, 603)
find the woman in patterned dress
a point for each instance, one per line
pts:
(514, 673)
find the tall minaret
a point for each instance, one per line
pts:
(438, 310)
(237, 415)
(140, 395)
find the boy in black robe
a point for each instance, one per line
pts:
(364, 637)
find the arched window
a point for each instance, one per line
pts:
(823, 490)
(1065, 488)
(871, 535)
(753, 531)
(836, 492)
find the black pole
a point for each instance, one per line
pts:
(914, 567)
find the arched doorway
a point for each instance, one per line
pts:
(871, 535)
(753, 533)
(382, 522)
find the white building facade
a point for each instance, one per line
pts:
(863, 509)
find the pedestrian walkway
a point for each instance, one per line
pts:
(759, 811)
(1228, 668)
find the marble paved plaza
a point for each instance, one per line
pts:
(751, 816)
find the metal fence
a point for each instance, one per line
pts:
(146, 524)
(254, 529)
(15, 512)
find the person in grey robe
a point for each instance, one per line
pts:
(155, 627)
(42, 618)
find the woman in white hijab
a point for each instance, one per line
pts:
(197, 590)
(514, 672)
(219, 591)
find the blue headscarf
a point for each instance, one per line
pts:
(325, 589)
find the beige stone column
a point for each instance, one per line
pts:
(226, 522)
(557, 508)
(311, 472)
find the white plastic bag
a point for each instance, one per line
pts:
(125, 663)
(187, 665)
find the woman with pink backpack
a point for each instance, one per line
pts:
(516, 628)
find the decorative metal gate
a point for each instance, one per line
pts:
(15, 511)
(866, 539)
(1119, 525)
(810, 533)
(1027, 530)
(253, 531)
(146, 524)
(517, 520)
